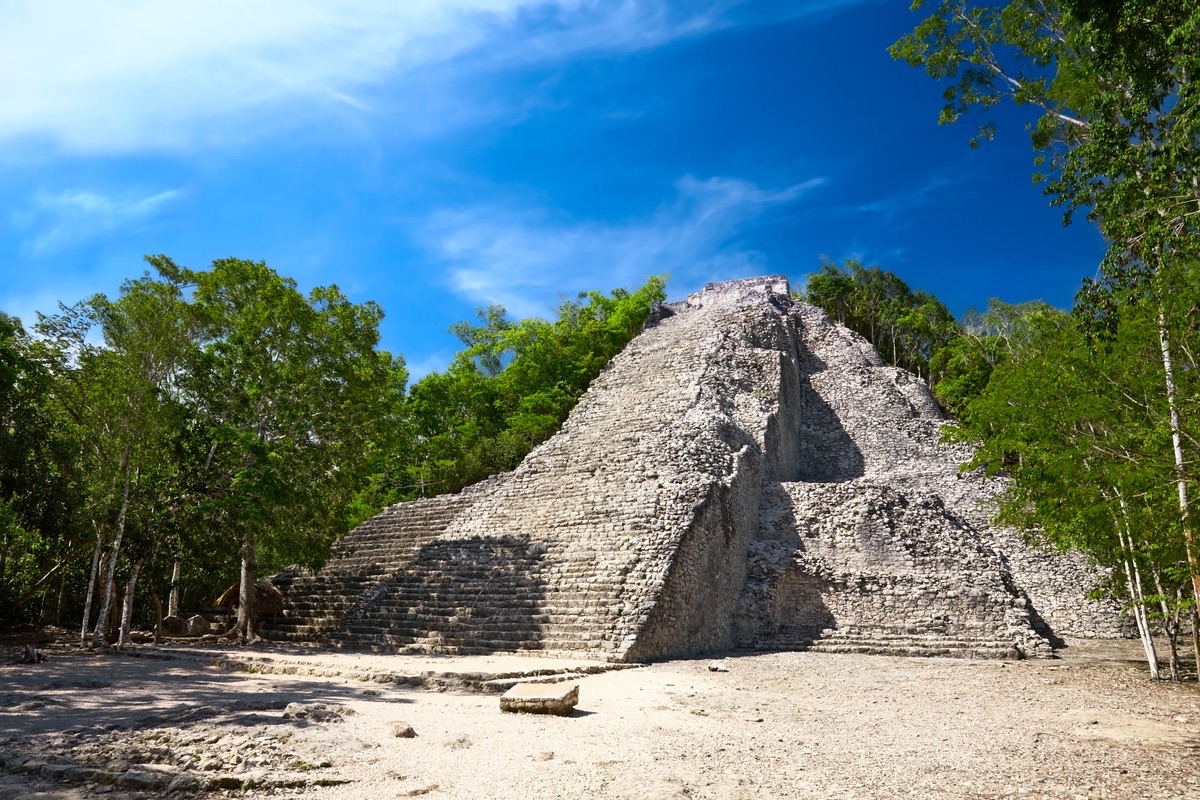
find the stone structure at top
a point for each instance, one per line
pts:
(746, 473)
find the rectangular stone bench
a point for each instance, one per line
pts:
(541, 698)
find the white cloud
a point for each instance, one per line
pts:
(129, 74)
(520, 258)
(76, 215)
(125, 75)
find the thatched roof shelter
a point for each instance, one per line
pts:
(268, 600)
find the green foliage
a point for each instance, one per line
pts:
(964, 365)
(222, 405)
(510, 389)
(906, 327)
(1080, 432)
(288, 395)
(40, 491)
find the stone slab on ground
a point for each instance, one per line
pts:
(541, 698)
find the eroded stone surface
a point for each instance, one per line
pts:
(541, 698)
(746, 472)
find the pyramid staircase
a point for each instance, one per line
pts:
(745, 473)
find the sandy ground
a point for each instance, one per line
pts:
(786, 725)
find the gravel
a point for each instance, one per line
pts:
(1088, 725)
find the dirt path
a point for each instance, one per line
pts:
(775, 725)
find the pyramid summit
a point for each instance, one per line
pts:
(746, 473)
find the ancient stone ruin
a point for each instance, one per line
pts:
(746, 473)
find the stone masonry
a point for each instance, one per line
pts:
(745, 473)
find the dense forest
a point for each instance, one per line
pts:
(210, 426)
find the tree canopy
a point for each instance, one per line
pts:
(211, 424)
(907, 327)
(1116, 135)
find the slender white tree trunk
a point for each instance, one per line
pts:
(127, 606)
(1133, 583)
(97, 565)
(173, 597)
(1170, 623)
(1189, 535)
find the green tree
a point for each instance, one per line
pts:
(1116, 135)
(906, 327)
(964, 365)
(1089, 457)
(121, 400)
(290, 394)
(510, 388)
(40, 499)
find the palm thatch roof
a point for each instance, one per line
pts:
(268, 600)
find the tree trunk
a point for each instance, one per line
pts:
(173, 597)
(1189, 535)
(97, 565)
(110, 575)
(112, 628)
(1196, 639)
(1133, 583)
(4, 557)
(158, 615)
(127, 607)
(58, 606)
(42, 584)
(1170, 623)
(245, 617)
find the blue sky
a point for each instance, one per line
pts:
(438, 155)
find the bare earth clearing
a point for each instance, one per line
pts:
(775, 725)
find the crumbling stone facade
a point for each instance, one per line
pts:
(746, 473)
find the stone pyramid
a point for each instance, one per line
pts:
(746, 473)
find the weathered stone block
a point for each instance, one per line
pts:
(541, 698)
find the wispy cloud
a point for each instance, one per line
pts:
(926, 194)
(520, 259)
(175, 73)
(54, 221)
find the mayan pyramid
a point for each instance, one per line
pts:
(746, 473)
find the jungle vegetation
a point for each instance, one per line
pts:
(1103, 448)
(211, 426)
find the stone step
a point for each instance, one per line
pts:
(893, 644)
(975, 650)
